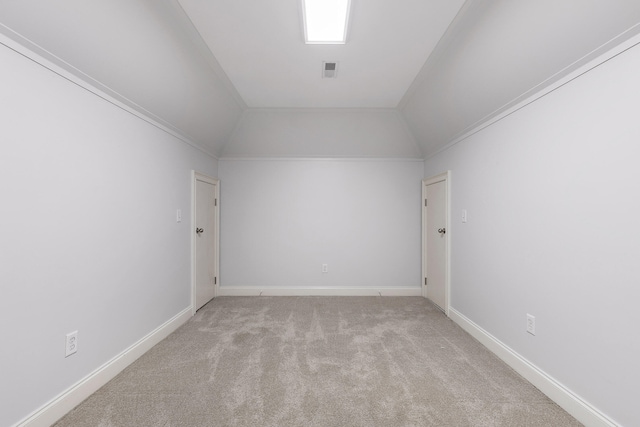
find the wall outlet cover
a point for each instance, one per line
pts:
(71, 343)
(531, 324)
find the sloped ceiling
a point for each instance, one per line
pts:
(144, 53)
(234, 77)
(498, 52)
(260, 44)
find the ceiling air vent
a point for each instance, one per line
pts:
(329, 70)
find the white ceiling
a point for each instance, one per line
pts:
(137, 51)
(499, 52)
(260, 45)
(235, 78)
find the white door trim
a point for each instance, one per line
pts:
(446, 177)
(197, 176)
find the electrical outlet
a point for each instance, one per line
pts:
(179, 215)
(464, 215)
(325, 268)
(531, 324)
(71, 345)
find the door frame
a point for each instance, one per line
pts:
(197, 176)
(446, 177)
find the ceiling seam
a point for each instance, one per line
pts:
(434, 56)
(312, 110)
(409, 132)
(196, 38)
(232, 135)
(322, 158)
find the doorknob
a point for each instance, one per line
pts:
(442, 230)
(199, 230)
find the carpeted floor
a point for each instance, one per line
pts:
(318, 361)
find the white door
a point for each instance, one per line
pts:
(205, 232)
(436, 241)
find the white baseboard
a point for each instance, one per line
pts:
(565, 398)
(245, 291)
(69, 399)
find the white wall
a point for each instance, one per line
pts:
(282, 219)
(497, 53)
(552, 192)
(89, 234)
(376, 133)
(145, 53)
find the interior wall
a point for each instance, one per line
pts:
(90, 240)
(378, 133)
(498, 53)
(551, 191)
(282, 219)
(144, 53)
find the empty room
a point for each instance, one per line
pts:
(235, 213)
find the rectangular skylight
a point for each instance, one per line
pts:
(325, 21)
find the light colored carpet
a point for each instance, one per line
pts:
(318, 361)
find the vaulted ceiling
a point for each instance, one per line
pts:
(261, 47)
(235, 77)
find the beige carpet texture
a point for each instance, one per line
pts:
(318, 361)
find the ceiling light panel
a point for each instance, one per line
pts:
(325, 21)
